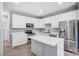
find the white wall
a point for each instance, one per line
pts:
(1, 47)
(6, 27)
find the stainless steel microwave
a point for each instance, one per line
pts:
(29, 25)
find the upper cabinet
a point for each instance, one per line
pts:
(39, 24)
(72, 15)
(19, 21)
(54, 20)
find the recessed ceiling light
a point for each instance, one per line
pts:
(60, 2)
(41, 11)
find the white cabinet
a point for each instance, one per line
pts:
(18, 21)
(72, 15)
(41, 48)
(18, 38)
(54, 20)
(36, 48)
(55, 24)
(39, 24)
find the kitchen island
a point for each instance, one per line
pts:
(47, 46)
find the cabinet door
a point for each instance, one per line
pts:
(39, 25)
(36, 47)
(18, 39)
(55, 25)
(18, 21)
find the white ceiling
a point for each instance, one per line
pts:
(33, 8)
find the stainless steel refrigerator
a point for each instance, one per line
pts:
(69, 30)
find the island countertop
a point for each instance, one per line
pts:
(53, 41)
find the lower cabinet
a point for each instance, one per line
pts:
(36, 48)
(41, 49)
(18, 38)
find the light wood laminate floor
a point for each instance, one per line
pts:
(24, 50)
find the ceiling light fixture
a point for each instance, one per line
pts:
(41, 11)
(60, 2)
